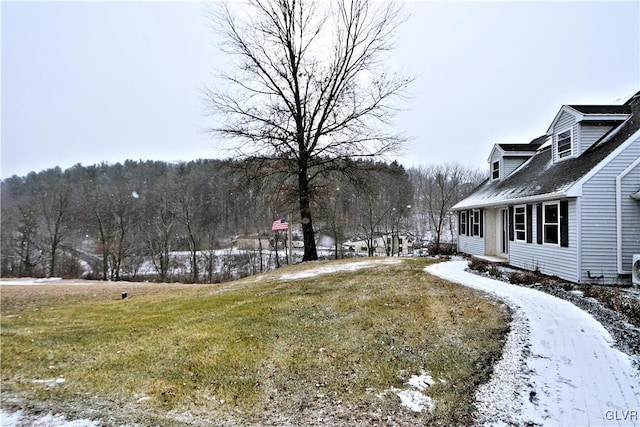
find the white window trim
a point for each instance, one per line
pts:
(544, 223)
(524, 230)
(463, 224)
(493, 170)
(475, 214)
(557, 144)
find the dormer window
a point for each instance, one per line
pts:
(495, 170)
(565, 144)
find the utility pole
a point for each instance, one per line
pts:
(290, 240)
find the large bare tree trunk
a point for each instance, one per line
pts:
(308, 235)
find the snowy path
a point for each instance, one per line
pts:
(567, 371)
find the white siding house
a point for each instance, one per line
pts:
(565, 204)
(384, 245)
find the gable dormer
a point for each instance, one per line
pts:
(577, 127)
(505, 158)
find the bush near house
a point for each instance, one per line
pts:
(615, 300)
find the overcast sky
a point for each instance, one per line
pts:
(86, 82)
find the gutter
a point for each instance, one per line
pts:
(624, 173)
(517, 201)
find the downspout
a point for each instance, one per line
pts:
(624, 173)
(579, 236)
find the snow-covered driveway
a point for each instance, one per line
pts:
(559, 366)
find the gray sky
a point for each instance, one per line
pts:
(86, 82)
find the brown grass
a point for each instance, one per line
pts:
(261, 350)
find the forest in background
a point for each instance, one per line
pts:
(105, 221)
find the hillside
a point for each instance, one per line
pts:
(332, 343)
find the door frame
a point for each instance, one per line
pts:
(503, 232)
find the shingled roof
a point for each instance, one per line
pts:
(540, 176)
(602, 109)
(532, 146)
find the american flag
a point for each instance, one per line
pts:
(280, 224)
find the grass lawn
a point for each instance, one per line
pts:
(331, 349)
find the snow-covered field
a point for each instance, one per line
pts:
(559, 367)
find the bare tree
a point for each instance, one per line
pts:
(371, 218)
(438, 188)
(55, 200)
(30, 255)
(309, 94)
(160, 216)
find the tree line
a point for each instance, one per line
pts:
(104, 221)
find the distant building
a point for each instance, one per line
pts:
(385, 245)
(253, 243)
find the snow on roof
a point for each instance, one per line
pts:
(539, 177)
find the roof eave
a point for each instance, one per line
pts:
(598, 117)
(565, 108)
(493, 150)
(519, 153)
(514, 201)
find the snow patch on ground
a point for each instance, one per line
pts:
(414, 397)
(335, 268)
(31, 281)
(16, 419)
(414, 400)
(51, 382)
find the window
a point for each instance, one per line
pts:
(551, 223)
(520, 223)
(462, 229)
(564, 144)
(495, 170)
(475, 222)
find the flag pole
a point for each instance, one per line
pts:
(290, 240)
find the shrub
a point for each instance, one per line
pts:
(443, 249)
(530, 278)
(525, 278)
(513, 277)
(494, 271)
(478, 265)
(616, 300)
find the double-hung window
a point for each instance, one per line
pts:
(520, 223)
(475, 222)
(564, 144)
(463, 223)
(551, 223)
(495, 170)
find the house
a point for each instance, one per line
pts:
(387, 244)
(253, 243)
(567, 203)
